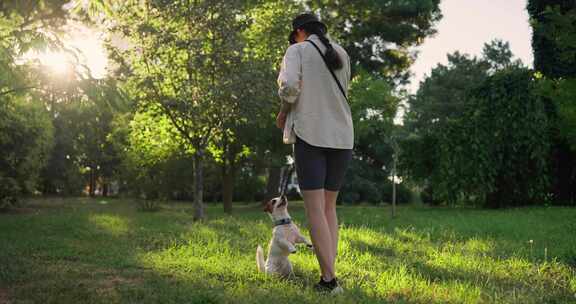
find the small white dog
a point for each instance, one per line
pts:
(285, 236)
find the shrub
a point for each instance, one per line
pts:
(9, 193)
(26, 136)
(365, 183)
(427, 196)
(148, 205)
(403, 193)
(249, 186)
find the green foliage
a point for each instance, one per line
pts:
(363, 184)
(184, 60)
(552, 36)
(403, 193)
(27, 26)
(427, 196)
(554, 40)
(249, 185)
(373, 104)
(10, 193)
(439, 101)
(379, 34)
(444, 119)
(149, 205)
(25, 141)
(151, 146)
(191, 61)
(367, 184)
(443, 95)
(497, 153)
(563, 93)
(498, 55)
(83, 152)
(63, 172)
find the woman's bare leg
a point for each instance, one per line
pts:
(314, 202)
(332, 220)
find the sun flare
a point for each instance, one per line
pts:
(58, 62)
(84, 54)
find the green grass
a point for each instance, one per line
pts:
(81, 251)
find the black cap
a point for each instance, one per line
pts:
(302, 20)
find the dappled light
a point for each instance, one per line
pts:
(112, 224)
(402, 261)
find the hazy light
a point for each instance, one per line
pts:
(57, 62)
(91, 51)
(84, 54)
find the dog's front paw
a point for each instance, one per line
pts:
(293, 250)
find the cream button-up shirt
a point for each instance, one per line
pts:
(320, 115)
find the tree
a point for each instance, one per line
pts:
(266, 42)
(496, 154)
(553, 41)
(378, 34)
(25, 26)
(438, 107)
(150, 143)
(186, 58)
(548, 50)
(373, 105)
(249, 127)
(82, 110)
(29, 26)
(25, 141)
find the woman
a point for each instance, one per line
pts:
(318, 112)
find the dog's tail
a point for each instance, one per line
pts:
(260, 259)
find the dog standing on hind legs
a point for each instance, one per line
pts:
(285, 236)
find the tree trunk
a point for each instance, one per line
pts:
(198, 186)
(228, 176)
(273, 183)
(564, 183)
(394, 187)
(92, 183)
(105, 187)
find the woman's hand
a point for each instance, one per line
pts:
(281, 120)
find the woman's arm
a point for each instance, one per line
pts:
(290, 76)
(285, 107)
(281, 117)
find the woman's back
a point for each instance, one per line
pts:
(321, 114)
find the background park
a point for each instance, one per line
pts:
(137, 143)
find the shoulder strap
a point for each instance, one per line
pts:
(329, 69)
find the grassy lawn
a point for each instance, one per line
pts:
(82, 251)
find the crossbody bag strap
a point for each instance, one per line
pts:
(329, 69)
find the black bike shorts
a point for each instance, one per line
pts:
(319, 167)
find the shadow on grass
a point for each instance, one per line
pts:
(108, 253)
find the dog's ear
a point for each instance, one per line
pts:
(283, 201)
(267, 206)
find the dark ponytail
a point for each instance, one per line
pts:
(332, 57)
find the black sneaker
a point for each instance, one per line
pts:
(331, 287)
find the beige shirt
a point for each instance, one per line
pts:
(319, 114)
